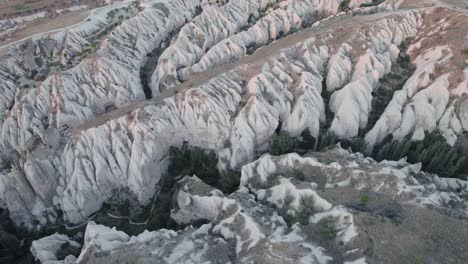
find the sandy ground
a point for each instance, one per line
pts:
(47, 24)
(458, 3)
(17, 6)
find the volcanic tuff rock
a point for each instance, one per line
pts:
(46, 249)
(227, 74)
(293, 208)
(234, 112)
(77, 125)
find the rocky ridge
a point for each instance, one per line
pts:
(283, 212)
(62, 158)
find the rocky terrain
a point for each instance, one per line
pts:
(90, 114)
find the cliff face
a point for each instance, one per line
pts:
(77, 125)
(313, 209)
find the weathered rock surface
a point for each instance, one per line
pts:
(75, 126)
(57, 167)
(47, 249)
(299, 209)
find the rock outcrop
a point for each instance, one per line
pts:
(292, 208)
(234, 113)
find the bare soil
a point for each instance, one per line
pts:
(47, 24)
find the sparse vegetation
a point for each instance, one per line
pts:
(184, 161)
(295, 174)
(418, 260)
(344, 6)
(305, 209)
(198, 10)
(353, 182)
(302, 216)
(438, 69)
(465, 51)
(433, 152)
(404, 61)
(327, 227)
(364, 198)
(20, 7)
(282, 143)
(389, 83)
(111, 14)
(189, 160)
(288, 198)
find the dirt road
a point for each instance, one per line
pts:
(62, 22)
(258, 57)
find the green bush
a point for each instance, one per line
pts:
(288, 199)
(189, 160)
(282, 143)
(434, 153)
(364, 198)
(344, 6)
(327, 227)
(465, 51)
(404, 61)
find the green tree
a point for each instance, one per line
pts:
(282, 143)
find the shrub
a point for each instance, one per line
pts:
(404, 61)
(302, 216)
(198, 10)
(20, 7)
(344, 6)
(282, 143)
(465, 51)
(305, 209)
(295, 174)
(364, 198)
(327, 227)
(189, 160)
(288, 199)
(434, 153)
(353, 183)
(438, 69)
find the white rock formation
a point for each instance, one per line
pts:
(109, 78)
(211, 26)
(339, 68)
(235, 224)
(270, 218)
(45, 249)
(420, 104)
(235, 113)
(275, 24)
(352, 104)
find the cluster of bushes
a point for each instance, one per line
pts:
(344, 6)
(186, 160)
(434, 153)
(189, 160)
(111, 14)
(389, 83)
(328, 227)
(282, 143)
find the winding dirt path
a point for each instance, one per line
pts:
(258, 57)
